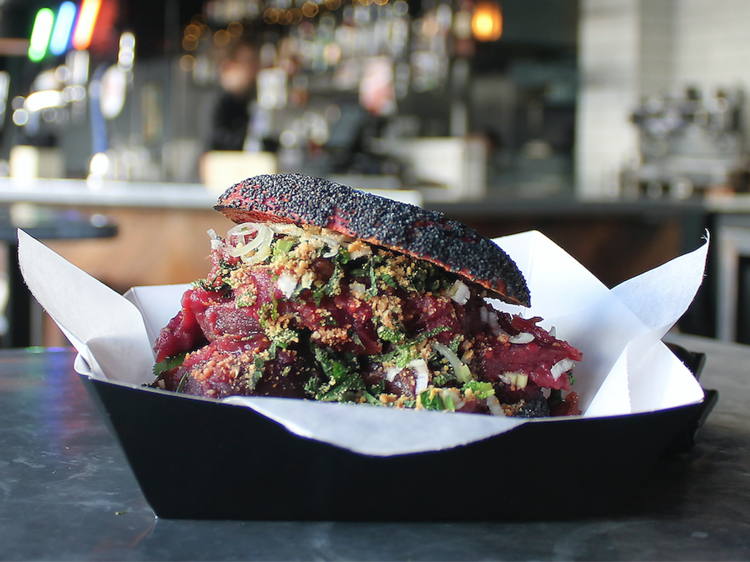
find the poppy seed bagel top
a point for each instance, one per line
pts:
(404, 228)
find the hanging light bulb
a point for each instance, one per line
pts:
(487, 21)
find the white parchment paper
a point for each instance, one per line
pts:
(626, 369)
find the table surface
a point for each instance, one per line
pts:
(66, 492)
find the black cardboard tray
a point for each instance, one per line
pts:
(199, 459)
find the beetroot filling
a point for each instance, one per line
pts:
(341, 320)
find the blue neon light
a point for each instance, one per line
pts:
(66, 16)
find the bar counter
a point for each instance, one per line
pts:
(66, 492)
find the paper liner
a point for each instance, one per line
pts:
(626, 369)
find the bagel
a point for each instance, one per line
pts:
(404, 228)
(328, 293)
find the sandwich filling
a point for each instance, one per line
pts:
(311, 313)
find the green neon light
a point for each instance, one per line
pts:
(40, 34)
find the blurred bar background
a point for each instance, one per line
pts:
(616, 127)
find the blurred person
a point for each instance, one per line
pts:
(231, 125)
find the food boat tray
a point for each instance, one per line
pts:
(196, 458)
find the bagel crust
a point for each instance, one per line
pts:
(400, 227)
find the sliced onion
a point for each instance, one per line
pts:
(286, 284)
(494, 406)
(484, 314)
(423, 374)
(510, 378)
(363, 251)
(263, 251)
(263, 237)
(562, 366)
(459, 292)
(216, 241)
(521, 338)
(494, 323)
(285, 228)
(463, 374)
(243, 229)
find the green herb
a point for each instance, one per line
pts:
(389, 280)
(343, 256)
(434, 403)
(183, 380)
(284, 246)
(377, 389)
(243, 300)
(481, 390)
(372, 400)
(343, 381)
(169, 363)
(259, 364)
(217, 284)
(268, 311)
(555, 396)
(455, 343)
(284, 337)
(407, 352)
(571, 378)
(449, 405)
(392, 335)
(444, 378)
(427, 277)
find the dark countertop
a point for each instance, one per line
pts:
(66, 493)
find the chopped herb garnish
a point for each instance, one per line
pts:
(259, 364)
(431, 403)
(443, 378)
(377, 389)
(370, 399)
(389, 280)
(284, 337)
(449, 405)
(244, 300)
(183, 380)
(344, 381)
(389, 334)
(169, 363)
(481, 390)
(455, 343)
(555, 396)
(284, 246)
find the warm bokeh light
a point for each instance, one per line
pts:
(271, 15)
(296, 15)
(285, 17)
(222, 38)
(190, 42)
(310, 9)
(235, 29)
(487, 22)
(187, 63)
(192, 29)
(85, 25)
